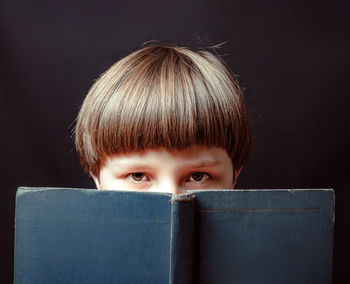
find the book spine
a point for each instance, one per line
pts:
(182, 239)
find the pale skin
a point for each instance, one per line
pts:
(160, 170)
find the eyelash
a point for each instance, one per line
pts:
(204, 177)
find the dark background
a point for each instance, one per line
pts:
(291, 57)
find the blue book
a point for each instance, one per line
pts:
(222, 236)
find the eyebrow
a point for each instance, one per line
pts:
(134, 167)
(206, 164)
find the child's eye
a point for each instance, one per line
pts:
(137, 177)
(198, 176)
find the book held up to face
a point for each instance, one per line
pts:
(202, 236)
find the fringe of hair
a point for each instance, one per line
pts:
(163, 96)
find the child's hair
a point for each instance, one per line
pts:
(163, 96)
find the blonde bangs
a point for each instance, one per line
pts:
(162, 96)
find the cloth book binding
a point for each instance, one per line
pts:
(208, 236)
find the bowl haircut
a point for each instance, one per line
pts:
(163, 96)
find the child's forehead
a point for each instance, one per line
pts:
(199, 154)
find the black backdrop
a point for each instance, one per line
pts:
(292, 58)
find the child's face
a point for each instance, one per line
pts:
(159, 170)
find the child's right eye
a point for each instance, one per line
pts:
(137, 177)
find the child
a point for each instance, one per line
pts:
(164, 119)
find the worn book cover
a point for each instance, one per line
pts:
(223, 236)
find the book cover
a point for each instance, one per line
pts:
(265, 236)
(232, 236)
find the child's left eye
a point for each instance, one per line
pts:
(198, 176)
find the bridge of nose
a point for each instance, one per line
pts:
(169, 185)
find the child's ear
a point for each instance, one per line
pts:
(96, 180)
(235, 177)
